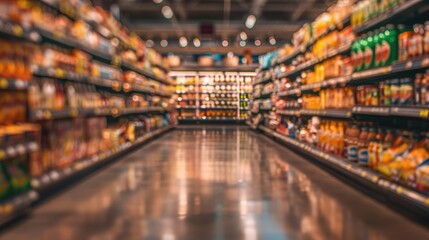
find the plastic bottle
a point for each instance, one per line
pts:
(369, 52)
(389, 46)
(426, 38)
(378, 48)
(418, 89)
(363, 146)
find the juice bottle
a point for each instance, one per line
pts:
(352, 141)
(362, 146)
(369, 52)
(426, 38)
(418, 89)
(395, 92)
(359, 54)
(340, 140)
(363, 47)
(389, 46)
(403, 41)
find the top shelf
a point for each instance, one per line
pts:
(390, 16)
(287, 59)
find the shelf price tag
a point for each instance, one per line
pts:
(424, 113)
(408, 65)
(17, 30)
(116, 60)
(3, 83)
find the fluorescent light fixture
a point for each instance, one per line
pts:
(250, 21)
(197, 42)
(243, 35)
(183, 41)
(273, 40)
(257, 42)
(225, 43)
(167, 12)
(164, 43)
(242, 43)
(158, 1)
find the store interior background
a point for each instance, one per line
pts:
(90, 87)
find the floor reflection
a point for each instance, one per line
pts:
(213, 183)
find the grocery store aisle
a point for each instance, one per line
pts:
(213, 183)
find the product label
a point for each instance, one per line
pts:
(378, 52)
(359, 59)
(363, 156)
(352, 152)
(385, 52)
(368, 57)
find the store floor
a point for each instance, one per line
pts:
(213, 183)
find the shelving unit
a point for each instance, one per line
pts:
(400, 116)
(398, 194)
(213, 94)
(79, 63)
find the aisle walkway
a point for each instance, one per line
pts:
(213, 183)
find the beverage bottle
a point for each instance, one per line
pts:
(389, 46)
(368, 52)
(376, 48)
(426, 38)
(363, 146)
(418, 89)
(404, 39)
(359, 54)
(425, 90)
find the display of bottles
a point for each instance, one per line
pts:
(366, 10)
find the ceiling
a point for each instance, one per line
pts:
(277, 18)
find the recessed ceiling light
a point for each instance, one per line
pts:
(167, 12)
(164, 43)
(197, 42)
(242, 43)
(243, 35)
(273, 40)
(149, 43)
(183, 41)
(257, 42)
(225, 43)
(250, 21)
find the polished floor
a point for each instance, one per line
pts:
(213, 183)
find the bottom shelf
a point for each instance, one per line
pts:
(414, 202)
(47, 184)
(194, 120)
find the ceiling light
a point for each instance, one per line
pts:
(197, 42)
(230, 54)
(164, 43)
(225, 43)
(149, 43)
(158, 1)
(243, 35)
(167, 12)
(273, 40)
(257, 42)
(183, 42)
(242, 43)
(250, 21)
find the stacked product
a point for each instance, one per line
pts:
(213, 95)
(366, 103)
(76, 88)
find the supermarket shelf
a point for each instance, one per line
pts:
(49, 114)
(287, 59)
(13, 84)
(373, 182)
(242, 68)
(218, 107)
(16, 31)
(263, 80)
(187, 107)
(130, 67)
(17, 206)
(163, 68)
(266, 109)
(60, 39)
(290, 93)
(56, 179)
(17, 150)
(211, 120)
(311, 63)
(294, 113)
(263, 96)
(372, 111)
(389, 16)
(334, 113)
(412, 112)
(69, 12)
